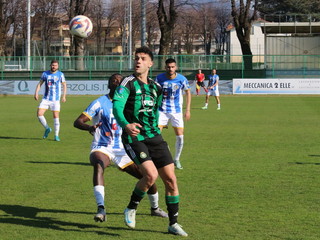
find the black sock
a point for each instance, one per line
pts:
(136, 197)
(173, 209)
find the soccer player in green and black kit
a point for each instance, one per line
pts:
(136, 109)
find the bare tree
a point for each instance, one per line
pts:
(187, 28)
(97, 14)
(223, 19)
(46, 14)
(113, 11)
(243, 18)
(207, 21)
(152, 26)
(8, 11)
(167, 19)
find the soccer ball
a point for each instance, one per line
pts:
(80, 26)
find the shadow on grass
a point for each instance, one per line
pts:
(306, 163)
(19, 138)
(68, 163)
(27, 216)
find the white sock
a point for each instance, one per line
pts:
(154, 200)
(219, 105)
(43, 121)
(56, 126)
(98, 191)
(179, 146)
(206, 105)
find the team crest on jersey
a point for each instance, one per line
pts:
(147, 103)
(120, 90)
(108, 134)
(143, 155)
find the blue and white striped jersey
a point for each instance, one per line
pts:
(109, 133)
(172, 92)
(52, 85)
(213, 79)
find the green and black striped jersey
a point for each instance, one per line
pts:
(137, 102)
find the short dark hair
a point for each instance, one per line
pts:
(146, 50)
(54, 61)
(170, 60)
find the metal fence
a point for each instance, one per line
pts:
(91, 67)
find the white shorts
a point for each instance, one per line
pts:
(176, 119)
(213, 92)
(52, 105)
(118, 157)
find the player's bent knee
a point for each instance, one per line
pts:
(151, 178)
(96, 158)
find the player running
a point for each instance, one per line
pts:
(173, 84)
(107, 146)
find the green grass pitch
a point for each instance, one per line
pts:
(251, 171)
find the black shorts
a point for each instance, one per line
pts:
(154, 149)
(201, 84)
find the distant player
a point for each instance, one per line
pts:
(53, 80)
(200, 78)
(107, 146)
(173, 84)
(213, 89)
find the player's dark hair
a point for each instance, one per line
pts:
(170, 60)
(54, 61)
(146, 50)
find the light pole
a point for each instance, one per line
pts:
(28, 50)
(130, 34)
(143, 22)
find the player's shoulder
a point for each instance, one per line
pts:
(61, 73)
(180, 76)
(150, 80)
(161, 76)
(103, 98)
(127, 80)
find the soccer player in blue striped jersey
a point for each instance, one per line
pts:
(54, 80)
(173, 84)
(107, 146)
(213, 89)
